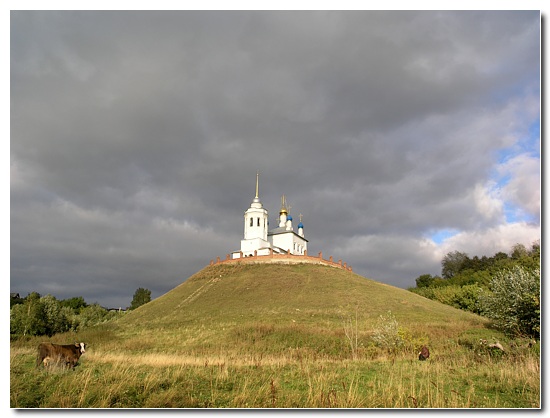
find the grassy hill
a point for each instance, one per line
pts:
(224, 307)
(272, 335)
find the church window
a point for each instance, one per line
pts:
(251, 221)
(258, 221)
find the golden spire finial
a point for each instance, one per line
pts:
(300, 217)
(283, 205)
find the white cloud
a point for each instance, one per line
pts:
(398, 260)
(488, 203)
(523, 188)
(390, 259)
(492, 240)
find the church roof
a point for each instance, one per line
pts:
(283, 230)
(279, 230)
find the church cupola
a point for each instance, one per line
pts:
(301, 227)
(289, 222)
(283, 212)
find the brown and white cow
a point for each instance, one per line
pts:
(64, 355)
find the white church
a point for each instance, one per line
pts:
(259, 240)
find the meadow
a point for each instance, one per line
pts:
(235, 342)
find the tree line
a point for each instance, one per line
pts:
(504, 287)
(36, 315)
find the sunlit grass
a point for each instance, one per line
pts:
(242, 344)
(107, 380)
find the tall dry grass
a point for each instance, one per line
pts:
(111, 380)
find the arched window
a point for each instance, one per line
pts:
(258, 221)
(251, 221)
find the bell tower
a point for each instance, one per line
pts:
(255, 224)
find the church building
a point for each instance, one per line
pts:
(259, 240)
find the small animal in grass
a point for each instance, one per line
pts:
(424, 354)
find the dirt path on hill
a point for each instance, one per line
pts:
(200, 291)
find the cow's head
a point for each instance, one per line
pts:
(81, 347)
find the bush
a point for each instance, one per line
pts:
(461, 297)
(386, 334)
(514, 302)
(92, 315)
(29, 318)
(48, 316)
(393, 338)
(57, 318)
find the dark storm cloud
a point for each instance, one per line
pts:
(136, 136)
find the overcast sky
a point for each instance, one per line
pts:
(136, 137)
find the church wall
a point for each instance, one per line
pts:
(271, 258)
(289, 241)
(249, 245)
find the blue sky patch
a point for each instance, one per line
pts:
(444, 234)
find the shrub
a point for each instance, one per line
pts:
(514, 302)
(386, 334)
(92, 315)
(29, 318)
(56, 317)
(48, 316)
(461, 297)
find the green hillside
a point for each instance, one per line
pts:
(271, 307)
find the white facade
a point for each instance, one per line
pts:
(287, 241)
(258, 240)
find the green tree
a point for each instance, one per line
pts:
(453, 263)
(519, 251)
(55, 317)
(91, 315)
(28, 318)
(76, 303)
(17, 319)
(16, 301)
(424, 280)
(141, 297)
(514, 301)
(535, 249)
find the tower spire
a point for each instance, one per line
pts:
(283, 205)
(257, 178)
